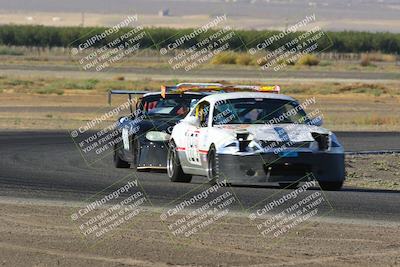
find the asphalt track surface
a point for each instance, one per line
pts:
(47, 165)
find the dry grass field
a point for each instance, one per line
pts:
(58, 103)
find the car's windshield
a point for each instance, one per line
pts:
(171, 105)
(258, 111)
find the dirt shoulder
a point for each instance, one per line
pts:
(42, 234)
(373, 171)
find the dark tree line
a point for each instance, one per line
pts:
(46, 36)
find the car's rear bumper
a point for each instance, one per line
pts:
(270, 167)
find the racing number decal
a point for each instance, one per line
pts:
(192, 144)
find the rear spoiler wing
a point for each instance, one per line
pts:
(217, 87)
(125, 92)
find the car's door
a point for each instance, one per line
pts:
(195, 134)
(130, 129)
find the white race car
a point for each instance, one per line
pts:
(254, 138)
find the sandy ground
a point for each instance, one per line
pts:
(42, 234)
(373, 171)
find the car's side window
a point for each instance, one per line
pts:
(203, 112)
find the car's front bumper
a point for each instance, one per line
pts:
(153, 155)
(270, 167)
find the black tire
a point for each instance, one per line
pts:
(118, 162)
(289, 185)
(174, 169)
(212, 171)
(331, 186)
(135, 152)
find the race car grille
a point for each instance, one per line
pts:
(278, 144)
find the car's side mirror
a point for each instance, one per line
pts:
(122, 119)
(317, 121)
(192, 120)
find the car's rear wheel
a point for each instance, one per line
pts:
(212, 170)
(118, 162)
(174, 169)
(331, 186)
(289, 185)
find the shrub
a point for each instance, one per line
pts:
(260, 62)
(287, 61)
(308, 60)
(10, 51)
(18, 82)
(49, 90)
(243, 59)
(82, 85)
(365, 60)
(378, 56)
(224, 58)
(373, 89)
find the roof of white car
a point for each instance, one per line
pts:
(224, 96)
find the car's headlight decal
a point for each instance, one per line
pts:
(157, 136)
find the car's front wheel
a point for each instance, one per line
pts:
(212, 171)
(331, 186)
(174, 169)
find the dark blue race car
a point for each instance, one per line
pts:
(144, 134)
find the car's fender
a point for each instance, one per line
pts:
(178, 134)
(217, 137)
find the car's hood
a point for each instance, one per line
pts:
(275, 132)
(150, 124)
